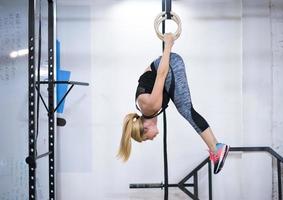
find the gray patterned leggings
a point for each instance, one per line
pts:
(176, 85)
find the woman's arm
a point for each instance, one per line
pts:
(153, 102)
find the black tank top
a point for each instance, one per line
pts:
(146, 83)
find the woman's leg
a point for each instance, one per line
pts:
(176, 85)
(209, 138)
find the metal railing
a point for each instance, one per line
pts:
(182, 185)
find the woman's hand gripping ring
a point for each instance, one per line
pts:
(162, 17)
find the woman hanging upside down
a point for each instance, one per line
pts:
(166, 79)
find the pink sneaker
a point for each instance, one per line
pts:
(218, 157)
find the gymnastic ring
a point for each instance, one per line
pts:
(159, 19)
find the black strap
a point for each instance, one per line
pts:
(152, 66)
(172, 85)
(38, 76)
(154, 115)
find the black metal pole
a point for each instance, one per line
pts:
(165, 156)
(51, 123)
(209, 181)
(196, 184)
(279, 179)
(42, 99)
(165, 159)
(168, 8)
(163, 23)
(31, 99)
(156, 185)
(61, 101)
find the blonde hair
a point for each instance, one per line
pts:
(132, 127)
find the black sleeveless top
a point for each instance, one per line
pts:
(146, 83)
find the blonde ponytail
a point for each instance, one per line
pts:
(132, 127)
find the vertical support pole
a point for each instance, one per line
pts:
(165, 6)
(209, 180)
(279, 179)
(196, 184)
(168, 8)
(31, 99)
(163, 24)
(165, 156)
(51, 123)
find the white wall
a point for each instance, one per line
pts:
(231, 72)
(277, 73)
(14, 101)
(257, 97)
(74, 145)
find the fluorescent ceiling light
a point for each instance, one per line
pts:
(18, 53)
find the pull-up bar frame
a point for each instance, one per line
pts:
(35, 86)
